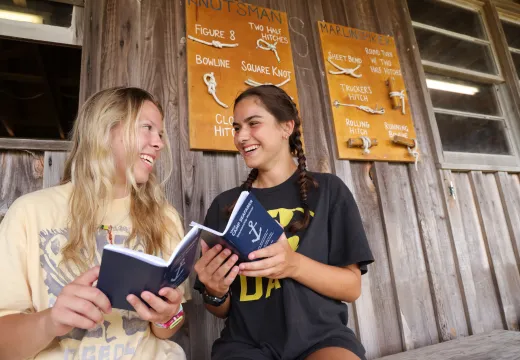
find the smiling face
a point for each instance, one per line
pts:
(259, 137)
(149, 141)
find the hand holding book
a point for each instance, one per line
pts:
(161, 308)
(216, 269)
(125, 271)
(249, 228)
(277, 261)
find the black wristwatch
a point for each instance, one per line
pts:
(213, 300)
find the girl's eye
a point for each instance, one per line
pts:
(237, 129)
(253, 123)
(149, 127)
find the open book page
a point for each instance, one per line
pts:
(150, 259)
(190, 238)
(241, 199)
(183, 259)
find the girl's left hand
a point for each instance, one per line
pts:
(161, 311)
(281, 261)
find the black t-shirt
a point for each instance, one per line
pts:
(283, 317)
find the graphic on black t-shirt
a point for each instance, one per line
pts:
(252, 289)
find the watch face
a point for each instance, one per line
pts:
(213, 300)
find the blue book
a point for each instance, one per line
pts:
(249, 228)
(125, 271)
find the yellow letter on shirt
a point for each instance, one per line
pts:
(273, 283)
(243, 289)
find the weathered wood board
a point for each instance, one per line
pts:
(497, 345)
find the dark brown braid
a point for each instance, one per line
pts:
(248, 184)
(304, 179)
(277, 102)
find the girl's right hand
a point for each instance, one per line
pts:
(79, 305)
(212, 268)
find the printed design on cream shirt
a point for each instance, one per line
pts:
(55, 278)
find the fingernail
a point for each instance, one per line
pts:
(227, 252)
(146, 296)
(234, 258)
(218, 246)
(251, 256)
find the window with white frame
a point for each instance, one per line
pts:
(512, 32)
(466, 86)
(40, 65)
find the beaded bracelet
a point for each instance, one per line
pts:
(174, 321)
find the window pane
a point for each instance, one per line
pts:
(39, 89)
(42, 12)
(471, 135)
(447, 50)
(512, 33)
(516, 60)
(446, 16)
(453, 94)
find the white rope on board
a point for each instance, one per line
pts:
(214, 43)
(413, 152)
(367, 143)
(251, 82)
(399, 94)
(376, 110)
(346, 71)
(264, 45)
(211, 83)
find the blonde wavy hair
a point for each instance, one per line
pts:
(91, 168)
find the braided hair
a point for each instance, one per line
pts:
(279, 104)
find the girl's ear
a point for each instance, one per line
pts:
(288, 127)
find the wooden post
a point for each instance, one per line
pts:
(357, 142)
(399, 140)
(396, 102)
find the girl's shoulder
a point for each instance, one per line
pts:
(173, 215)
(332, 186)
(328, 181)
(227, 197)
(58, 195)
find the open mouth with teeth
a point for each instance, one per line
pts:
(250, 149)
(147, 159)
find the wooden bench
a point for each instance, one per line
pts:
(496, 345)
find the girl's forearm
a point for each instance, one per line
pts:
(340, 283)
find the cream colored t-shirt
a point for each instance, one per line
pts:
(32, 236)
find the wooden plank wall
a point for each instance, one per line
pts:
(445, 266)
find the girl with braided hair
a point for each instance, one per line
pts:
(290, 302)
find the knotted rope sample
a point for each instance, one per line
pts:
(367, 144)
(264, 45)
(251, 82)
(413, 152)
(214, 43)
(376, 110)
(399, 94)
(346, 71)
(211, 83)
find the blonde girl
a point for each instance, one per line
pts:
(51, 242)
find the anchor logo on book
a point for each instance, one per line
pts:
(179, 271)
(253, 229)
